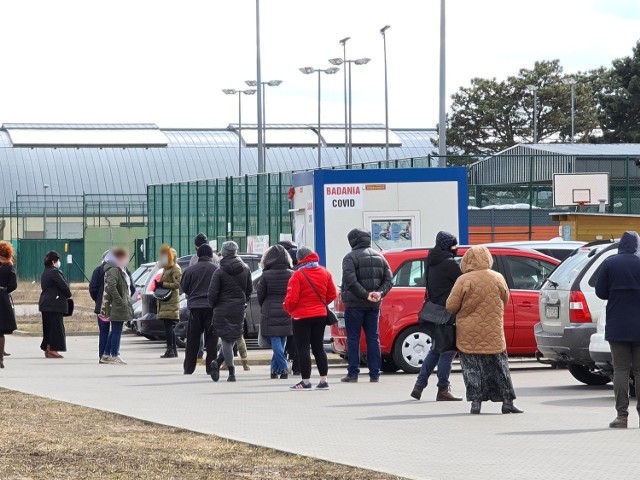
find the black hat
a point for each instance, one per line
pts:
(201, 239)
(205, 251)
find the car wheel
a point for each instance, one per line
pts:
(584, 375)
(410, 349)
(388, 365)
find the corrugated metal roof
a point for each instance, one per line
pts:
(81, 126)
(579, 149)
(191, 154)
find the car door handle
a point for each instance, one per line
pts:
(525, 304)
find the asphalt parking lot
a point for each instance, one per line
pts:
(563, 433)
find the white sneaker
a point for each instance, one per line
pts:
(117, 360)
(104, 359)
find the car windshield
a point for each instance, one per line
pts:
(566, 273)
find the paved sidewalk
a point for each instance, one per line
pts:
(563, 433)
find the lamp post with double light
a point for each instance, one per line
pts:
(263, 113)
(572, 82)
(343, 42)
(383, 31)
(231, 91)
(348, 63)
(319, 71)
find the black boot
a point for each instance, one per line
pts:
(232, 374)
(284, 374)
(215, 370)
(417, 392)
(170, 353)
(475, 407)
(509, 407)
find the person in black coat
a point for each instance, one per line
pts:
(619, 283)
(366, 279)
(195, 284)
(229, 293)
(441, 274)
(292, 353)
(8, 283)
(275, 323)
(54, 305)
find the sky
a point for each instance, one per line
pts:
(166, 62)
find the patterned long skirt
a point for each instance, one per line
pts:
(487, 377)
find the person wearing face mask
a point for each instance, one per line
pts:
(54, 305)
(441, 274)
(116, 305)
(169, 310)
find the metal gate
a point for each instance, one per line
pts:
(30, 258)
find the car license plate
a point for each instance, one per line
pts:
(552, 312)
(340, 322)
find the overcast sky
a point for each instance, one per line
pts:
(166, 62)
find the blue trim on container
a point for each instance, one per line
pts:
(400, 175)
(301, 179)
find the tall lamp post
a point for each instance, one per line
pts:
(263, 113)
(46, 188)
(442, 127)
(319, 71)
(261, 160)
(534, 89)
(386, 92)
(572, 82)
(231, 91)
(343, 42)
(348, 63)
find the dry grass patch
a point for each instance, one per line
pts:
(29, 293)
(45, 439)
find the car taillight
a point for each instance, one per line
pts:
(578, 308)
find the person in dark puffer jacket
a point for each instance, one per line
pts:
(229, 292)
(619, 283)
(275, 323)
(291, 349)
(442, 272)
(366, 279)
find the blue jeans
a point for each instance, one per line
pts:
(113, 344)
(356, 320)
(103, 339)
(279, 359)
(443, 361)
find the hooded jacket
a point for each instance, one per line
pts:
(196, 280)
(272, 288)
(96, 285)
(55, 291)
(229, 292)
(301, 300)
(363, 271)
(116, 305)
(171, 277)
(619, 283)
(478, 299)
(442, 273)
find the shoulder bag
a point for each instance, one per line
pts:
(436, 322)
(331, 317)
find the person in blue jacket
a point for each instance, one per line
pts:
(619, 283)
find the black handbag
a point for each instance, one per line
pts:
(162, 294)
(70, 307)
(439, 324)
(331, 317)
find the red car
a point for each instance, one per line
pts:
(404, 345)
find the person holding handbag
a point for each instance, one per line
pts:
(8, 283)
(440, 275)
(54, 305)
(309, 291)
(169, 309)
(478, 299)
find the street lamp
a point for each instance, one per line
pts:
(263, 112)
(45, 187)
(348, 63)
(386, 91)
(572, 81)
(343, 42)
(534, 89)
(231, 91)
(442, 127)
(261, 159)
(320, 71)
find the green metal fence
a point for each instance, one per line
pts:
(30, 258)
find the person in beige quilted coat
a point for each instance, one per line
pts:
(478, 299)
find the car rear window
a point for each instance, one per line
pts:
(566, 273)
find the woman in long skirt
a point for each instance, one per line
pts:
(478, 299)
(54, 305)
(8, 283)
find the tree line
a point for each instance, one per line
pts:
(491, 115)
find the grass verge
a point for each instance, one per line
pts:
(45, 439)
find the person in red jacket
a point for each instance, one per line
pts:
(309, 291)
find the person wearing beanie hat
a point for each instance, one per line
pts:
(195, 284)
(441, 274)
(229, 292)
(302, 253)
(201, 239)
(292, 248)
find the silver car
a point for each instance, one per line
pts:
(569, 312)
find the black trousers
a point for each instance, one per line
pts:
(201, 322)
(169, 325)
(53, 334)
(292, 353)
(309, 332)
